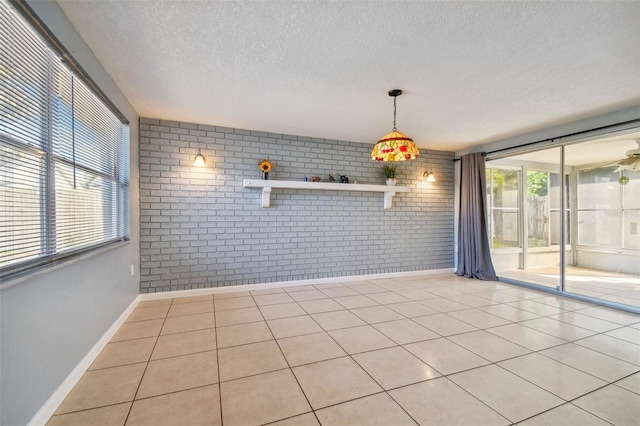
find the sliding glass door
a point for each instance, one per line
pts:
(587, 193)
(534, 255)
(606, 215)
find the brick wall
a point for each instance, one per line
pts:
(201, 228)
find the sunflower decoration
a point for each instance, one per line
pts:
(266, 166)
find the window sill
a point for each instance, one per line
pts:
(506, 250)
(608, 250)
(550, 249)
(54, 266)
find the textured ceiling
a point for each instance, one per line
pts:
(471, 72)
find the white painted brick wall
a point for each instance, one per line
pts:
(202, 228)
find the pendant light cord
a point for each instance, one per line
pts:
(394, 113)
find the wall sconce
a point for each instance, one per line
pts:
(428, 175)
(199, 161)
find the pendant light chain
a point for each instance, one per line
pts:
(394, 113)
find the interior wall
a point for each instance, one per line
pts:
(201, 228)
(51, 320)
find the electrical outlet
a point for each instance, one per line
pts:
(132, 270)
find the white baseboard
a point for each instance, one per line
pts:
(51, 405)
(282, 284)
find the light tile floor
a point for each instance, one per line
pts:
(434, 349)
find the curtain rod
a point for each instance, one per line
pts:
(557, 137)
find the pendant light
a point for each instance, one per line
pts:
(395, 146)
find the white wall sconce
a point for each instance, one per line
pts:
(199, 161)
(428, 176)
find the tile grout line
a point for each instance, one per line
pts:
(160, 335)
(615, 383)
(289, 366)
(387, 391)
(531, 352)
(607, 383)
(562, 405)
(499, 366)
(147, 365)
(383, 390)
(356, 362)
(174, 356)
(215, 325)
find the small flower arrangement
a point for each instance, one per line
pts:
(391, 171)
(265, 166)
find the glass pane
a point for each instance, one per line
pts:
(85, 214)
(539, 263)
(631, 229)
(554, 190)
(490, 226)
(599, 228)
(504, 228)
(488, 173)
(98, 133)
(62, 115)
(630, 189)
(20, 205)
(505, 188)
(605, 225)
(554, 219)
(598, 188)
(538, 208)
(24, 82)
(538, 221)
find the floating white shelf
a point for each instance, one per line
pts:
(266, 185)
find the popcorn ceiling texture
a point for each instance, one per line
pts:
(473, 72)
(201, 228)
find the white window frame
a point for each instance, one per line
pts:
(116, 180)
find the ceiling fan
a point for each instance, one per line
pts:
(631, 162)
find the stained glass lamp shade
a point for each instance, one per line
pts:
(395, 146)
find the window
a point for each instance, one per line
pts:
(543, 208)
(537, 208)
(608, 208)
(64, 169)
(630, 209)
(503, 202)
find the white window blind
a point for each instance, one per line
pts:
(64, 182)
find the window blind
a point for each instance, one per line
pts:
(64, 181)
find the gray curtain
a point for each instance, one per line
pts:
(474, 257)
